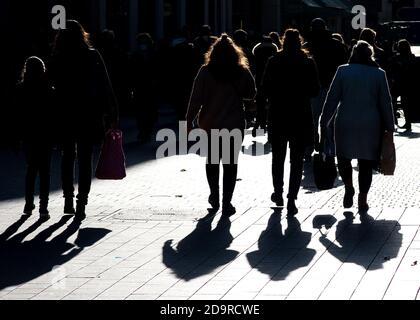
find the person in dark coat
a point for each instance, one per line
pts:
(240, 37)
(404, 72)
(359, 105)
(219, 90)
(290, 81)
(203, 42)
(116, 62)
(262, 52)
(369, 35)
(34, 128)
(275, 38)
(144, 83)
(87, 106)
(328, 53)
(183, 67)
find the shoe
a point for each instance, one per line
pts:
(214, 201)
(363, 205)
(80, 213)
(68, 206)
(277, 199)
(292, 210)
(228, 210)
(348, 197)
(44, 214)
(29, 207)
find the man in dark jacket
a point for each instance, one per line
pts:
(290, 81)
(328, 54)
(262, 52)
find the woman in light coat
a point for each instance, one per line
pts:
(359, 102)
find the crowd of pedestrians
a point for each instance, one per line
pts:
(301, 89)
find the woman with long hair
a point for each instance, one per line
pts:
(359, 105)
(219, 89)
(289, 82)
(85, 97)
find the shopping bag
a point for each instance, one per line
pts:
(325, 171)
(111, 163)
(388, 155)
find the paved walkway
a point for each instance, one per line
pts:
(150, 236)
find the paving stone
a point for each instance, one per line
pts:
(150, 237)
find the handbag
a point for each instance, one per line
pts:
(388, 155)
(325, 170)
(111, 163)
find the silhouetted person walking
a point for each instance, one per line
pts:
(33, 118)
(203, 42)
(262, 52)
(116, 62)
(275, 38)
(144, 85)
(217, 97)
(289, 82)
(359, 104)
(369, 35)
(328, 54)
(240, 37)
(84, 98)
(404, 74)
(183, 67)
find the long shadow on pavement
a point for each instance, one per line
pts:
(202, 251)
(276, 249)
(362, 243)
(22, 261)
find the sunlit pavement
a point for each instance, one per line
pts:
(150, 236)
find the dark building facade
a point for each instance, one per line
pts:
(26, 24)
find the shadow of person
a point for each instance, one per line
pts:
(276, 250)
(202, 251)
(323, 221)
(13, 228)
(363, 243)
(409, 134)
(22, 261)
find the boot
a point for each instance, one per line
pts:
(44, 214)
(348, 197)
(68, 206)
(80, 211)
(228, 209)
(29, 207)
(277, 198)
(363, 205)
(292, 210)
(214, 201)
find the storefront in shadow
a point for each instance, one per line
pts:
(23, 261)
(281, 253)
(202, 251)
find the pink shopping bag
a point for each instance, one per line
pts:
(111, 164)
